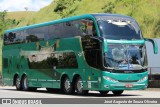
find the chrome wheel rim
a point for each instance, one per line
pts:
(79, 85)
(67, 84)
(25, 83)
(18, 83)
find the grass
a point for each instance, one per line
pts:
(19, 15)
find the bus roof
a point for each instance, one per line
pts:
(65, 20)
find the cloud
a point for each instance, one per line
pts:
(19, 5)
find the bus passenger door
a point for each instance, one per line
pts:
(93, 57)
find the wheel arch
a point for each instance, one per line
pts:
(24, 74)
(74, 77)
(62, 77)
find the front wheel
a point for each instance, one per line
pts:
(119, 92)
(79, 87)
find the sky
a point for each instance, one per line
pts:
(19, 5)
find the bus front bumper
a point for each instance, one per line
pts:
(120, 81)
(125, 86)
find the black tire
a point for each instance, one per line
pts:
(66, 85)
(25, 83)
(79, 87)
(103, 92)
(118, 92)
(18, 83)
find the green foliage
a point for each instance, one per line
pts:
(66, 7)
(146, 12)
(157, 29)
(6, 23)
(108, 8)
(2, 21)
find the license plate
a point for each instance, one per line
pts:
(129, 85)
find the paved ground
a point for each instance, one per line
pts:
(11, 92)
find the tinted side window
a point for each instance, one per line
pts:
(72, 28)
(56, 31)
(92, 51)
(36, 34)
(84, 27)
(14, 38)
(48, 61)
(67, 60)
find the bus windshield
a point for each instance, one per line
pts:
(125, 57)
(118, 29)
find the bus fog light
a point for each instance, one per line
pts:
(109, 79)
(143, 79)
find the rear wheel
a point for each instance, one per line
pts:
(103, 92)
(118, 92)
(25, 83)
(79, 87)
(18, 83)
(66, 85)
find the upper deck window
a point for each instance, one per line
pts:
(68, 29)
(119, 28)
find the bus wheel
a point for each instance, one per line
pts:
(25, 83)
(118, 92)
(79, 87)
(18, 83)
(66, 85)
(103, 92)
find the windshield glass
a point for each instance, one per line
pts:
(118, 29)
(125, 57)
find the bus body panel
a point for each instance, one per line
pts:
(38, 61)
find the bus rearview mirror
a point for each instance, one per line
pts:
(154, 43)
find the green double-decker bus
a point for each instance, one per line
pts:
(101, 52)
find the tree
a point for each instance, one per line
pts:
(2, 21)
(6, 23)
(26, 8)
(66, 7)
(108, 8)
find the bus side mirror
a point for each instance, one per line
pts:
(154, 43)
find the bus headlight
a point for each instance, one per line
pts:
(143, 79)
(110, 79)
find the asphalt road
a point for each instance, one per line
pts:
(11, 92)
